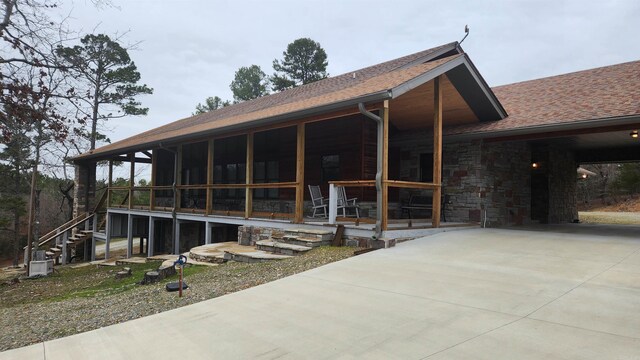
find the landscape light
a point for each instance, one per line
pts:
(634, 134)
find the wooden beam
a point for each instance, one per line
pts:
(132, 158)
(385, 165)
(178, 177)
(148, 154)
(154, 172)
(209, 205)
(109, 183)
(437, 151)
(410, 185)
(300, 146)
(126, 158)
(248, 207)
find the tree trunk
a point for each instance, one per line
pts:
(96, 104)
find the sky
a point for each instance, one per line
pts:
(188, 50)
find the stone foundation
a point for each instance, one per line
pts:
(249, 235)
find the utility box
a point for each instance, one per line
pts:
(44, 268)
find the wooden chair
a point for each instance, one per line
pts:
(317, 201)
(345, 203)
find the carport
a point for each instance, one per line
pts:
(555, 124)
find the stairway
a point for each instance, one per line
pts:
(64, 240)
(292, 243)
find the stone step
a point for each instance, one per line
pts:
(324, 235)
(55, 250)
(50, 253)
(281, 248)
(253, 256)
(305, 241)
(86, 232)
(132, 260)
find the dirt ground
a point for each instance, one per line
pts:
(607, 217)
(630, 203)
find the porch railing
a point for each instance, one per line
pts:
(333, 197)
(147, 198)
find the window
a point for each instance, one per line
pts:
(266, 172)
(330, 168)
(426, 168)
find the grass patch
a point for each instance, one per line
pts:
(85, 282)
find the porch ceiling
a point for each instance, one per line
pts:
(414, 109)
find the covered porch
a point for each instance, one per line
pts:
(354, 153)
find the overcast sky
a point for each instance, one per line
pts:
(190, 49)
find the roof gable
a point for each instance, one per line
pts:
(375, 83)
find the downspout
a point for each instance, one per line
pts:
(380, 122)
(175, 194)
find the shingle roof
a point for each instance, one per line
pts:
(600, 93)
(368, 80)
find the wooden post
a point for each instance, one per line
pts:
(176, 239)
(207, 232)
(385, 165)
(209, 205)
(299, 216)
(132, 156)
(109, 183)
(178, 199)
(437, 151)
(333, 204)
(107, 241)
(129, 235)
(154, 168)
(248, 194)
(151, 237)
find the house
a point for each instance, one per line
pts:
(423, 132)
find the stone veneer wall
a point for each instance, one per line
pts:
(248, 235)
(491, 177)
(477, 176)
(506, 173)
(84, 191)
(563, 186)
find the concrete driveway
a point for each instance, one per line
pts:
(564, 293)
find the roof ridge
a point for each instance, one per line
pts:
(566, 74)
(292, 94)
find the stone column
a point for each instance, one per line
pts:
(84, 192)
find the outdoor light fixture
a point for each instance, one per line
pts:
(535, 165)
(634, 134)
(584, 176)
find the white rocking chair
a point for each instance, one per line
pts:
(317, 201)
(345, 203)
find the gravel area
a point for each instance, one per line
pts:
(28, 323)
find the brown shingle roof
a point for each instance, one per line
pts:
(367, 81)
(601, 93)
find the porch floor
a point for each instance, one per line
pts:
(397, 228)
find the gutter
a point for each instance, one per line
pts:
(174, 215)
(380, 122)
